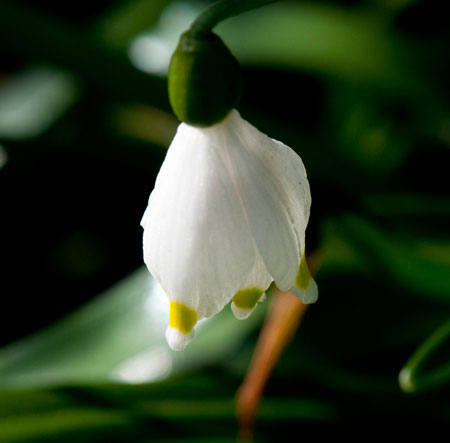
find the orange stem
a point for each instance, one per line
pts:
(283, 319)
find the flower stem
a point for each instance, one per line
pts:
(282, 321)
(221, 10)
(285, 314)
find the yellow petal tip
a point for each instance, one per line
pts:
(247, 298)
(182, 317)
(303, 275)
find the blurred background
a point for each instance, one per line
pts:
(358, 88)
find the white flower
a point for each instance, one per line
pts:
(226, 218)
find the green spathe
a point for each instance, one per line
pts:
(205, 81)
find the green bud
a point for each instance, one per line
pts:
(205, 81)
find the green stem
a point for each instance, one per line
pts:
(412, 378)
(221, 10)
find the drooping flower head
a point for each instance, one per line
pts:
(228, 213)
(227, 217)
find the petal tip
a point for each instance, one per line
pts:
(245, 301)
(241, 314)
(178, 340)
(308, 295)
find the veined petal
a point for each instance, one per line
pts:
(274, 191)
(197, 242)
(253, 290)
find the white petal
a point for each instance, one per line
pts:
(241, 313)
(258, 280)
(274, 191)
(308, 295)
(177, 340)
(305, 288)
(244, 313)
(197, 242)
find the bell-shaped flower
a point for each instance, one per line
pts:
(227, 217)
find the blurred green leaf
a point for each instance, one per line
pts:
(419, 263)
(49, 40)
(174, 410)
(126, 19)
(407, 204)
(33, 100)
(67, 424)
(118, 337)
(374, 132)
(198, 405)
(429, 366)
(351, 44)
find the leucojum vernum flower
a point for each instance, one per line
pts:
(227, 217)
(229, 210)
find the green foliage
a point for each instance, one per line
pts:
(428, 368)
